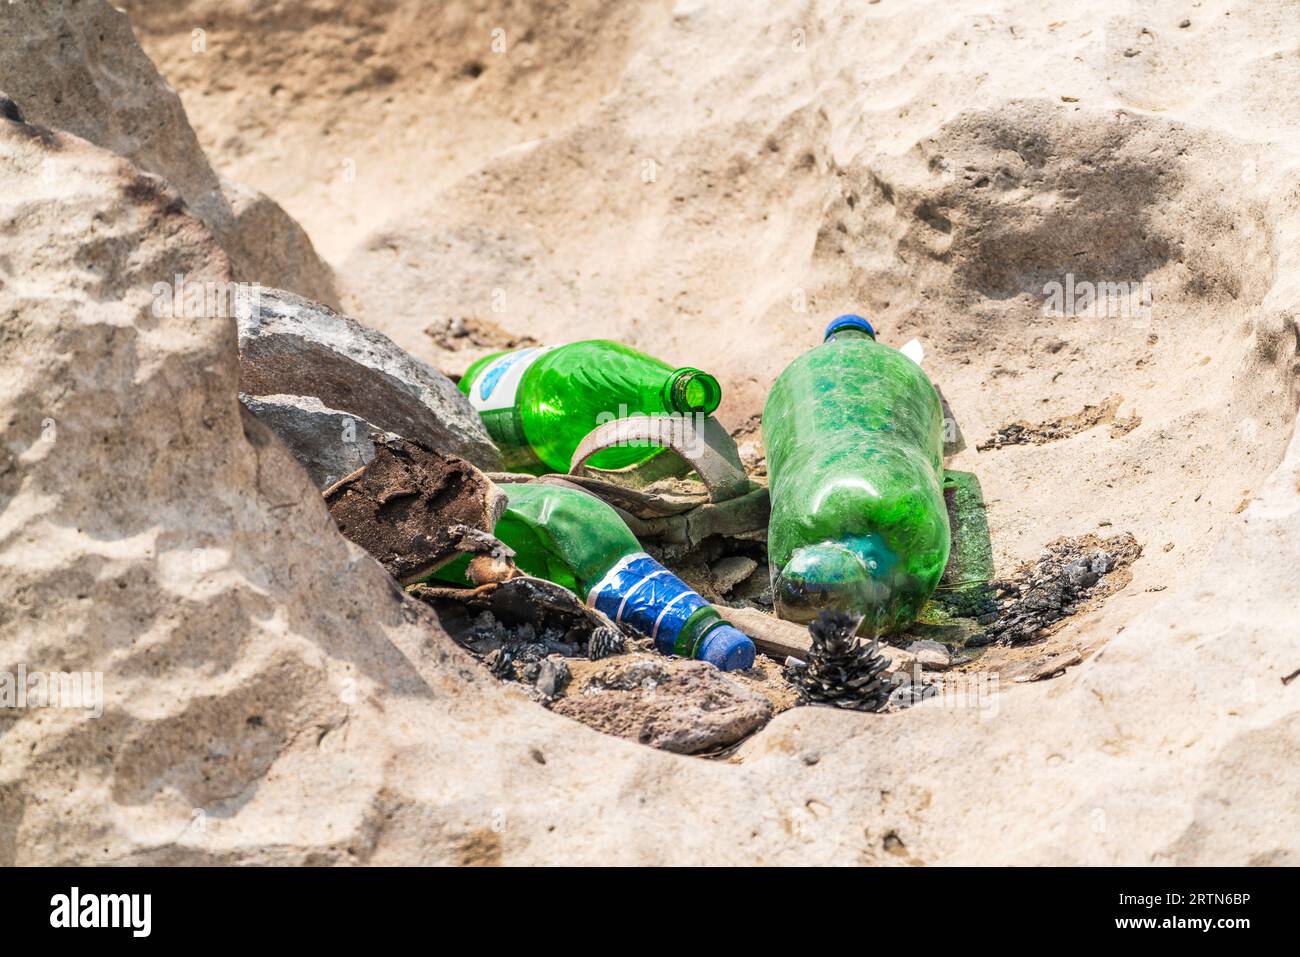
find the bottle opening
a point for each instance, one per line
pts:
(727, 648)
(848, 321)
(694, 392)
(830, 576)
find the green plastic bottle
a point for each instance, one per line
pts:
(538, 404)
(854, 436)
(574, 539)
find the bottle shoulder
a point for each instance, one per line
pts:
(852, 389)
(863, 357)
(579, 522)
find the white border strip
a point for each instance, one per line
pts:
(655, 635)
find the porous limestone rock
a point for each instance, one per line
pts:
(675, 704)
(75, 65)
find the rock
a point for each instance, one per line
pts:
(908, 693)
(288, 345)
(415, 510)
(731, 571)
(9, 110)
(752, 456)
(77, 67)
(331, 445)
(266, 245)
(931, 655)
(1080, 574)
(1044, 666)
(1101, 562)
(754, 589)
(552, 676)
(254, 664)
(672, 704)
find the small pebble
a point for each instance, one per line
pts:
(932, 655)
(552, 675)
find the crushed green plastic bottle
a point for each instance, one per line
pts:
(854, 437)
(572, 538)
(971, 561)
(538, 404)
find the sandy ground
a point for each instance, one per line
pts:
(351, 111)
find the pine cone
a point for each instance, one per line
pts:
(843, 670)
(603, 643)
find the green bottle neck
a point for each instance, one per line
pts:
(694, 630)
(850, 334)
(689, 391)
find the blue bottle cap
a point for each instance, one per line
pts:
(727, 648)
(848, 321)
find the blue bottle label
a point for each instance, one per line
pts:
(640, 592)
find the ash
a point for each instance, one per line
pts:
(1070, 573)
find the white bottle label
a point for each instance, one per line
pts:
(498, 384)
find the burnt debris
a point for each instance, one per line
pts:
(1070, 573)
(415, 509)
(512, 626)
(1091, 416)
